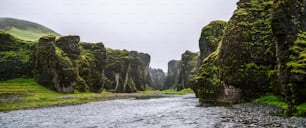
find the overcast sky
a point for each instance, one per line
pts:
(162, 28)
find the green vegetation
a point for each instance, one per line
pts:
(15, 57)
(24, 29)
(26, 35)
(25, 93)
(272, 99)
(297, 61)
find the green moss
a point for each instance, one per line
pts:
(272, 100)
(297, 58)
(241, 12)
(15, 57)
(63, 57)
(301, 110)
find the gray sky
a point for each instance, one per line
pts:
(162, 28)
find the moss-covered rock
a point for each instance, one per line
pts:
(15, 57)
(210, 37)
(91, 66)
(174, 68)
(140, 66)
(65, 64)
(238, 69)
(289, 29)
(188, 62)
(53, 68)
(157, 78)
(247, 52)
(127, 71)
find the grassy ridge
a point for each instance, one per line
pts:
(25, 93)
(26, 34)
(25, 30)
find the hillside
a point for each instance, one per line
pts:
(25, 30)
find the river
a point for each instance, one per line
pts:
(168, 112)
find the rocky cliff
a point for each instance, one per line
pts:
(211, 36)
(289, 30)
(262, 50)
(15, 57)
(238, 69)
(247, 51)
(127, 71)
(174, 68)
(65, 64)
(157, 78)
(188, 62)
(91, 66)
(55, 63)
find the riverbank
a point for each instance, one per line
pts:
(257, 115)
(26, 93)
(274, 100)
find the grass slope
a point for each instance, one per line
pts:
(24, 29)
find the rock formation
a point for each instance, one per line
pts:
(140, 68)
(65, 64)
(127, 71)
(247, 52)
(15, 57)
(91, 66)
(174, 68)
(238, 69)
(289, 30)
(210, 38)
(157, 78)
(55, 67)
(188, 62)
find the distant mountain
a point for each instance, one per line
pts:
(25, 30)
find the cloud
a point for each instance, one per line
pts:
(162, 28)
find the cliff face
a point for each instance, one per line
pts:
(91, 66)
(247, 52)
(127, 71)
(65, 65)
(211, 36)
(157, 78)
(239, 68)
(140, 66)
(174, 68)
(188, 62)
(15, 57)
(289, 30)
(53, 67)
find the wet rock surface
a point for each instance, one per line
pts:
(169, 112)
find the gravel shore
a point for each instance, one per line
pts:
(258, 116)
